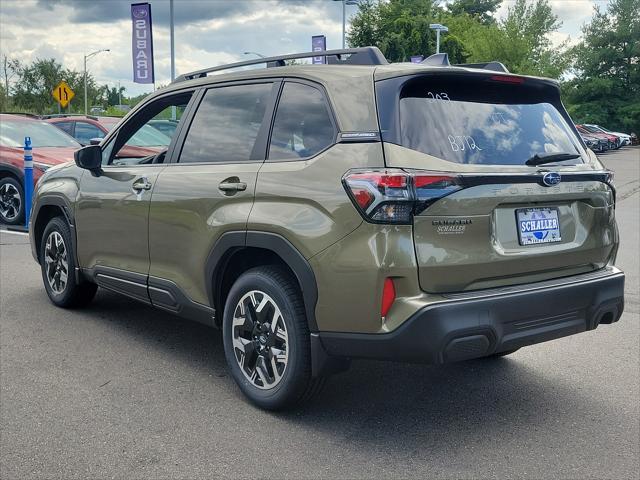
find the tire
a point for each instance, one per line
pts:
(271, 289)
(56, 255)
(11, 201)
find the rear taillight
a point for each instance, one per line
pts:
(394, 196)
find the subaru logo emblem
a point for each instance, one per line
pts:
(551, 178)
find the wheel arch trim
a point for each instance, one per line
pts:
(64, 205)
(234, 240)
(11, 170)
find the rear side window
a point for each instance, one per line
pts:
(85, 132)
(476, 120)
(66, 127)
(303, 125)
(226, 125)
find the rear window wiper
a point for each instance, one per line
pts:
(540, 158)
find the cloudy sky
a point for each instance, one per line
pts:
(207, 32)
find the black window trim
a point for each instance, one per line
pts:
(332, 117)
(113, 134)
(261, 143)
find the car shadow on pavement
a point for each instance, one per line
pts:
(384, 405)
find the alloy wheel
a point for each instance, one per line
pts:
(56, 262)
(10, 202)
(260, 339)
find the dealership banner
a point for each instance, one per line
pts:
(142, 43)
(318, 44)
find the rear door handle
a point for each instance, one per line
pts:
(141, 184)
(231, 186)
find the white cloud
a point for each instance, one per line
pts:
(208, 32)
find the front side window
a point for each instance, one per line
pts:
(302, 126)
(226, 125)
(482, 121)
(138, 142)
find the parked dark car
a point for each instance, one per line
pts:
(148, 141)
(596, 144)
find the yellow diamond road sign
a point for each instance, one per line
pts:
(63, 93)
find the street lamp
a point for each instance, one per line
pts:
(438, 28)
(86, 109)
(344, 15)
(255, 53)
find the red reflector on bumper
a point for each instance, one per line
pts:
(388, 296)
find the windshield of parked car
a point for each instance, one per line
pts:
(481, 122)
(43, 134)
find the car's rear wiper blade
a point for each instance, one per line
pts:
(540, 158)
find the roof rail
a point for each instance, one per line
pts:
(495, 66)
(349, 56)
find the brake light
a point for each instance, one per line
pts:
(394, 196)
(388, 297)
(507, 79)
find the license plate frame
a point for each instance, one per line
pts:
(546, 231)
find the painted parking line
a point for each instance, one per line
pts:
(24, 234)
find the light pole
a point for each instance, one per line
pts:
(438, 28)
(86, 108)
(255, 53)
(344, 16)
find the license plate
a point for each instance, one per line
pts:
(538, 225)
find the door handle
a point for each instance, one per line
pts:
(230, 186)
(141, 184)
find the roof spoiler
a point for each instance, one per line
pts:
(494, 66)
(442, 60)
(348, 56)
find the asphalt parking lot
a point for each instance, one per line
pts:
(119, 390)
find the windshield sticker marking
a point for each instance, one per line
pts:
(463, 139)
(442, 96)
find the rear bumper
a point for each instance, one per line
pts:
(481, 323)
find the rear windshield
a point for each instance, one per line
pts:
(481, 122)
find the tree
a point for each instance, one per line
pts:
(37, 80)
(400, 28)
(606, 87)
(482, 10)
(10, 68)
(521, 41)
(111, 95)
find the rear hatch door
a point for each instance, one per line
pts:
(507, 222)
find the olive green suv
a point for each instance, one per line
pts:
(350, 209)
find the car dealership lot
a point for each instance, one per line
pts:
(122, 390)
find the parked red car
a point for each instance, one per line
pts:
(84, 128)
(614, 141)
(50, 147)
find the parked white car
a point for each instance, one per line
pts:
(625, 139)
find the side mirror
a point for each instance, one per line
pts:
(89, 158)
(95, 141)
